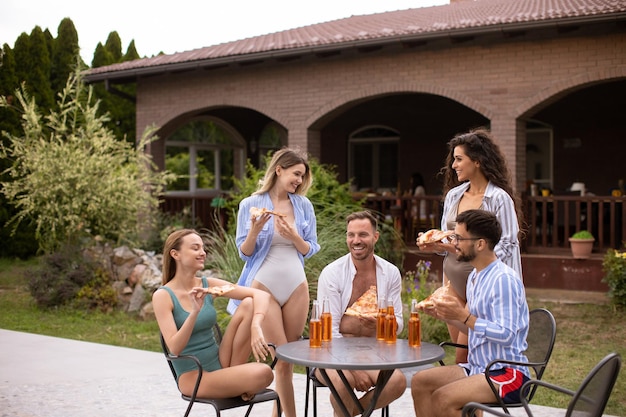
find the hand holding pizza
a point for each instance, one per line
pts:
(432, 240)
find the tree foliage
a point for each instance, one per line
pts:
(43, 63)
(72, 177)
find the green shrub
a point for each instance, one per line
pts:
(614, 266)
(417, 285)
(60, 277)
(72, 178)
(97, 293)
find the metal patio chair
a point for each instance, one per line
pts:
(588, 400)
(218, 404)
(541, 338)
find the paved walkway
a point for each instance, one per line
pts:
(43, 376)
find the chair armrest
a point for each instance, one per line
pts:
(273, 364)
(170, 357)
(494, 389)
(471, 407)
(173, 357)
(544, 384)
(444, 344)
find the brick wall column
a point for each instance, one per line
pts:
(510, 135)
(306, 139)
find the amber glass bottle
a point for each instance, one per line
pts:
(390, 323)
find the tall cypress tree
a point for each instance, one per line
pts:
(22, 242)
(38, 67)
(65, 52)
(120, 109)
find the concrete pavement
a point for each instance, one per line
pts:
(43, 376)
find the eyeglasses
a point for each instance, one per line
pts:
(457, 238)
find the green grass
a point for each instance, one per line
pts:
(585, 333)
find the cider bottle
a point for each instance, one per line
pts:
(315, 326)
(390, 323)
(380, 319)
(327, 321)
(415, 326)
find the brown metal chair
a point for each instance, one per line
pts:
(218, 404)
(540, 339)
(588, 400)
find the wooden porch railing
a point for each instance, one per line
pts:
(550, 220)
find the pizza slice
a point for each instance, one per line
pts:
(257, 212)
(366, 305)
(219, 290)
(435, 297)
(433, 235)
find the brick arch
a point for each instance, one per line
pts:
(554, 92)
(373, 91)
(262, 107)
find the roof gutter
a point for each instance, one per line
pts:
(123, 75)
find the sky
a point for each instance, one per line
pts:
(181, 25)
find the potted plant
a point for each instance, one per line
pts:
(581, 244)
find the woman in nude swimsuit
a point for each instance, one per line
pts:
(274, 248)
(476, 177)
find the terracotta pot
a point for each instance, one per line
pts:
(581, 248)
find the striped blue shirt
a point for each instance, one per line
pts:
(497, 298)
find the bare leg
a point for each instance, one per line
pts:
(235, 346)
(241, 380)
(425, 383)
(393, 390)
(456, 336)
(294, 313)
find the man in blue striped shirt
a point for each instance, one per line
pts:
(495, 317)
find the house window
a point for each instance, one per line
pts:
(373, 159)
(539, 150)
(204, 153)
(273, 137)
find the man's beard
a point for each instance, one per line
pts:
(466, 257)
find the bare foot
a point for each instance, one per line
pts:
(247, 397)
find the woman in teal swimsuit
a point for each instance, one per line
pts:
(186, 317)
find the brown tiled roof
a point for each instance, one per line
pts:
(457, 18)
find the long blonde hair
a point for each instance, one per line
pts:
(173, 241)
(286, 158)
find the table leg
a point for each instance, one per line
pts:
(383, 378)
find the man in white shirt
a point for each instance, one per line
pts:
(343, 282)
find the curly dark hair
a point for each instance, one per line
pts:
(480, 147)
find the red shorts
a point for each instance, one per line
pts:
(509, 381)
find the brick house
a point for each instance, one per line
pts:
(379, 96)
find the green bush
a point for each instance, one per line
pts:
(72, 178)
(60, 277)
(614, 266)
(417, 285)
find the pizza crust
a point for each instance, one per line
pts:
(433, 235)
(257, 212)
